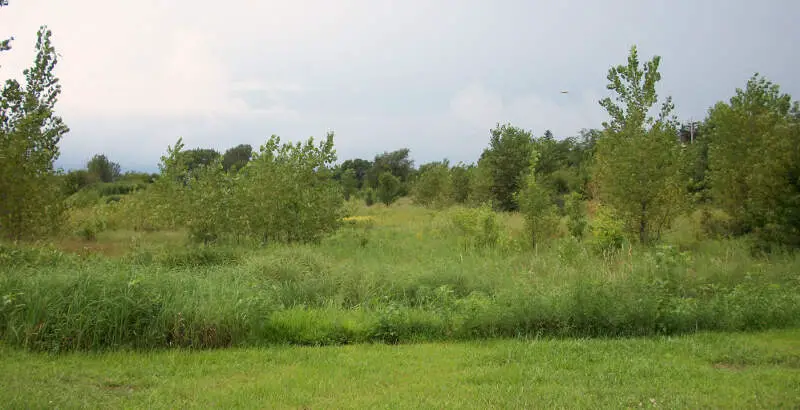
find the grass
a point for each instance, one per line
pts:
(706, 370)
(397, 275)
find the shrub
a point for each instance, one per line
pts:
(434, 186)
(286, 193)
(541, 219)
(389, 188)
(476, 227)
(369, 196)
(608, 232)
(576, 215)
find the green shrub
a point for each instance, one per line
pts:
(434, 186)
(389, 188)
(608, 232)
(369, 196)
(476, 227)
(576, 215)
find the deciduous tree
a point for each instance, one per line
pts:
(638, 165)
(754, 161)
(30, 194)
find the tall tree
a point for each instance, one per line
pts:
(197, 157)
(754, 161)
(507, 160)
(30, 195)
(397, 163)
(360, 167)
(103, 169)
(237, 157)
(433, 185)
(638, 158)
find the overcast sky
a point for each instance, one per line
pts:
(430, 75)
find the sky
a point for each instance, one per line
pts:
(433, 76)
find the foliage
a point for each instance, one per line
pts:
(576, 215)
(460, 177)
(31, 201)
(302, 204)
(103, 169)
(638, 164)
(433, 185)
(476, 227)
(754, 161)
(237, 157)
(397, 163)
(349, 183)
(402, 285)
(541, 220)
(360, 167)
(76, 180)
(389, 188)
(199, 157)
(608, 231)
(369, 196)
(507, 160)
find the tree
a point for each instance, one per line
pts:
(637, 168)
(433, 186)
(286, 193)
(389, 188)
(460, 177)
(103, 169)
(237, 157)
(360, 167)
(754, 161)
(536, 207)
(75, 180)
(507, 160)
(197, 157)
(349, 183)
(397, 163)
(30, 194)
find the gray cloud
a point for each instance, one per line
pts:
(431, 76)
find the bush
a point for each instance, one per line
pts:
(369, 196)
(286, 193)
(541, 218)
(608, 232)
(389, 188)
(576, 215)
(434, 186)
(476, 227)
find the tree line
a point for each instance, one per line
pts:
(641, 169)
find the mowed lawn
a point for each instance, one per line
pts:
(708, 370)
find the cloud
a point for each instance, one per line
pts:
(183, 78)
(477, 107)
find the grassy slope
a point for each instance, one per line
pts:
(760, 370)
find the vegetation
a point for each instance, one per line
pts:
(704, 371)
(30, 203)
(638, 162)
(632, 230)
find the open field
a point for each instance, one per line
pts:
(394, 275)
(759, 370)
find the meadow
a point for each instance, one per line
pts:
(396, 274)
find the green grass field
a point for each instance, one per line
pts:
(707, 370)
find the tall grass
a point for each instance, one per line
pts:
(394, 275)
